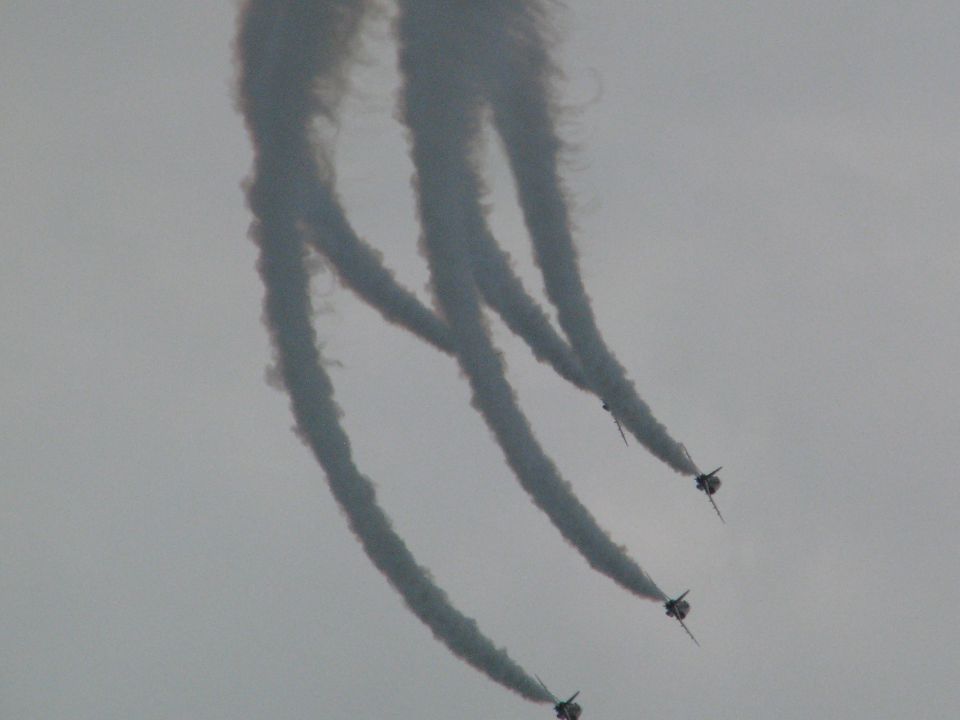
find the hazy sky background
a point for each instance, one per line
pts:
(767, 210)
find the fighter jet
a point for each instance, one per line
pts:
(710, 483)
(679, 609)
(707, 482)
(619, 427)
(565, 709)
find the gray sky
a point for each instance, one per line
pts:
(767, 208)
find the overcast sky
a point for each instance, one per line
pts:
(767, 203)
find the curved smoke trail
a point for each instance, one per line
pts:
(441, 108)
(503, 291)
(278, 99)
(517, 75)
(361, 267)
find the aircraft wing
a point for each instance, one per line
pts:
(710, 498)
(684, 626)
(620, 428)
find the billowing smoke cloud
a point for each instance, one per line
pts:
(517, 74)
(279, 98)
(442, 103)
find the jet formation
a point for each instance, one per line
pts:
(460, 70)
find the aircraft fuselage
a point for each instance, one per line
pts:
(678, 608)
(709, 483)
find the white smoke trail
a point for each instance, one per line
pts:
(517, 75)
(278, 100)
(441, 108)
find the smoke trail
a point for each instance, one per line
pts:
(504, 292)
(317, 64)
(361, 268)
(277, 110)
(441, 107)
(517, 75)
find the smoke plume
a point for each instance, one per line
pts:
(279, 98)
(517, 75)
(441, 108)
